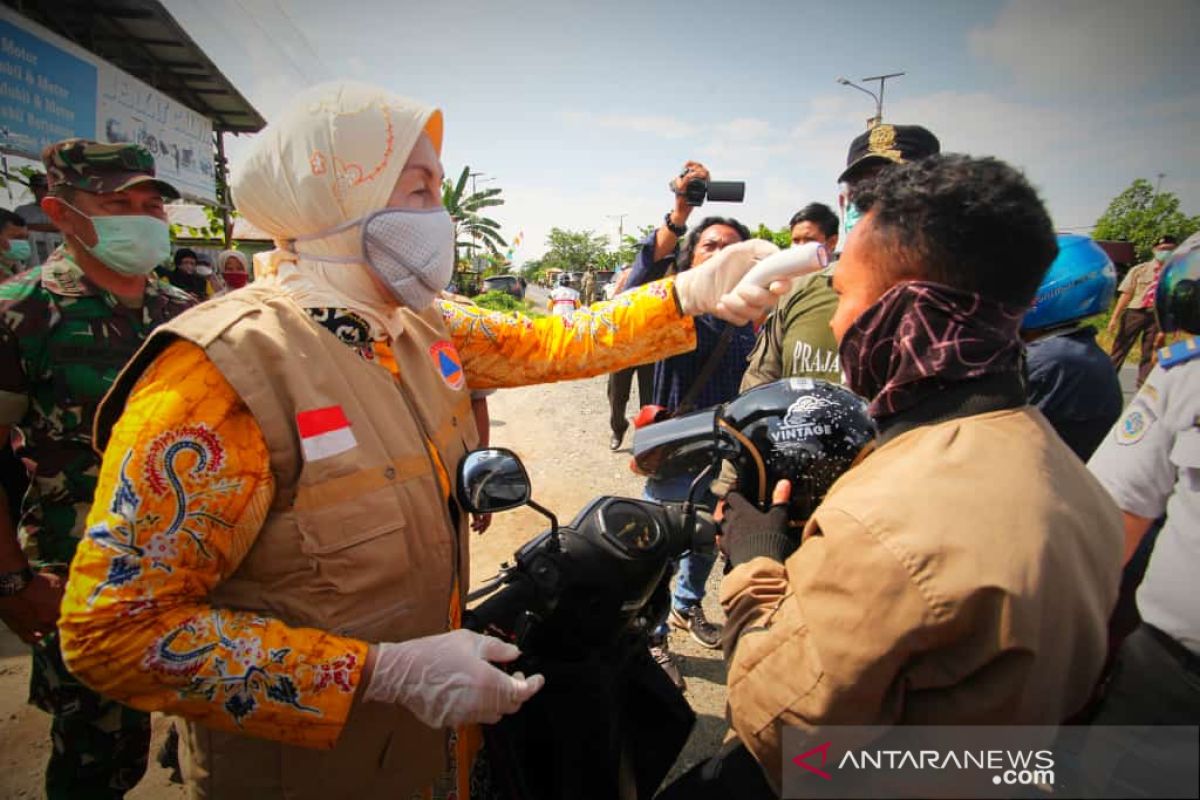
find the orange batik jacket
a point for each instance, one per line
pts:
(186, 486)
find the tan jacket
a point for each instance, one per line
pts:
(353, 544)
(962, 574)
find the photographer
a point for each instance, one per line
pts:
(705, 377)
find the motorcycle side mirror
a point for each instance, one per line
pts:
(492, 480)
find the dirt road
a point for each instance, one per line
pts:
(561, 433)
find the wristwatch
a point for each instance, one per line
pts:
(12, 583)
(678, 230)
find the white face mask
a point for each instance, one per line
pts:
(411, 250)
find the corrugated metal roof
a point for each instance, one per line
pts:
(143, 39)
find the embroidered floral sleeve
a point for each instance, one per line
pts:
(172, 517)
(500, 350)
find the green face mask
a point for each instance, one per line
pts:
(851, 217)
(129, 244)
(1162, 256)
(18, 250)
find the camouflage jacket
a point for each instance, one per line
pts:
(62, 342)
(9, 268)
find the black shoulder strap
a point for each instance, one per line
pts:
(706, 373)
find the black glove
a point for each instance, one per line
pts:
(748, 533)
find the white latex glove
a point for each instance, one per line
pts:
(710, 287)
(447, 680)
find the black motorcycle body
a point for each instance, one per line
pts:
(580, 601)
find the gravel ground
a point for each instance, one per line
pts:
(561, 433)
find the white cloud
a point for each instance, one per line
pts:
(983, 124)
(744, 129)
(665, 127)
(1080, 45)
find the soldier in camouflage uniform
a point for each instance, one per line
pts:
(66, 329)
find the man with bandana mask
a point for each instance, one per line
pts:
(963, 572)
(66, 329)
(275, 552)
(795, 341)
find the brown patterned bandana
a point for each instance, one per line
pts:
(921, 336)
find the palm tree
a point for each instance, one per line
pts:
(464, 209)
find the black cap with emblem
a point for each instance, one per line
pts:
(888, 144)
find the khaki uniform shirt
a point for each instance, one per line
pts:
(1138, 280)
(963, 574)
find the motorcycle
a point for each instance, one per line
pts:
(580, 601)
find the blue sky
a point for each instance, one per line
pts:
(583, 110)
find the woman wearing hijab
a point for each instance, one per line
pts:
(274, 553)
(234, 269)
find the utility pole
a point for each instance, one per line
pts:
(878, 98)
(620, 218)
(222, 179)
(1158, 186)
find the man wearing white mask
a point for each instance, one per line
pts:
(67, 328)
(275, 553)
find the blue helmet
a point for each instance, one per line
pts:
(1177, 299)
(1081, 282)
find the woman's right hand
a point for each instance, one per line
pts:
(449, 679)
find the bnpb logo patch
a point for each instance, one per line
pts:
(448, 364)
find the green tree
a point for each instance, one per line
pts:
(497, 264)
(624, 254)
(464, 208)
(20, 176)
(781, 237)
(214, 230)
(573, 251)
(1140, 215)
(533, 270)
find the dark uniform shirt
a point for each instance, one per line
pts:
(673, 377)
(1073, 383)
(62, 342)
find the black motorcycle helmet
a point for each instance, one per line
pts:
(1177, 298)
(807, 431)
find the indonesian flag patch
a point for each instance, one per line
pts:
(448, 364)
(324, 432)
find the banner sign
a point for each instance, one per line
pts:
(51, 89)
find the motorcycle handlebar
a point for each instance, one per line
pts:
(700, 536)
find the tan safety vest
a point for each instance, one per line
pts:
(361, 543)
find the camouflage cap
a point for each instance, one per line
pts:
(101, 168)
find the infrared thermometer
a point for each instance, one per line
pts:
(788, 264)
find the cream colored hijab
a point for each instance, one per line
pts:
(334, 158)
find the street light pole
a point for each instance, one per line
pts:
(473, 175)
(878, 98)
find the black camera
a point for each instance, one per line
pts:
(696, 191)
